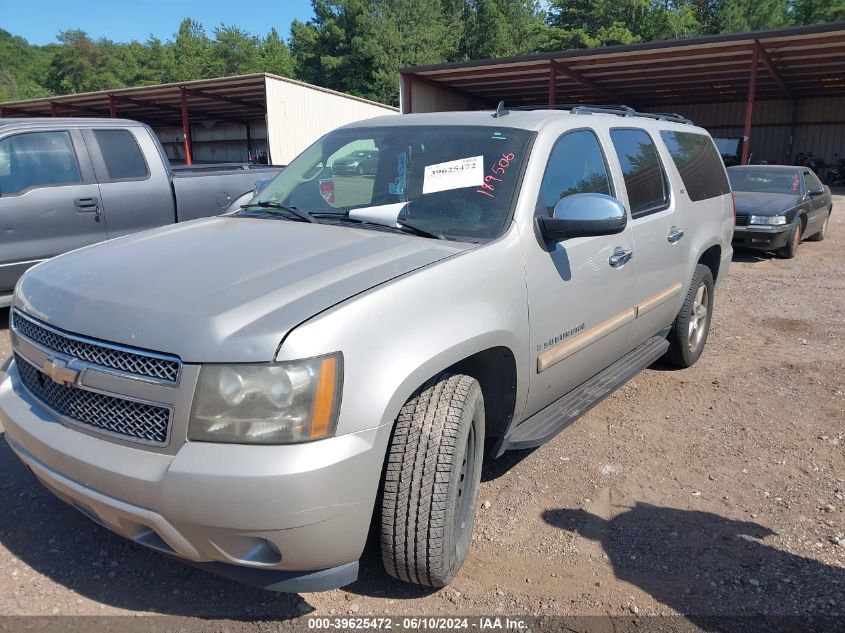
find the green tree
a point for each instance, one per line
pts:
(496, 28)
(74, 65)
(739, 16)
(191, 52)
(337, 48)
(815, 11)
(275, 55)
(234, 52)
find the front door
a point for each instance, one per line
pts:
(814, 190)
(657, 231)
(579, 290)
(49, 200)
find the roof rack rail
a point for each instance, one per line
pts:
(618, 110)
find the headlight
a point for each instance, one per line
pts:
(274, 403)
(774, 220)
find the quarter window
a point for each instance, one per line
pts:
(576, 165)
(121, 154)
(699, 164)
(37, 159)
(645, 179)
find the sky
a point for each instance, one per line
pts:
(39, 21)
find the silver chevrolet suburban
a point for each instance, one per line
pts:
(253, 392)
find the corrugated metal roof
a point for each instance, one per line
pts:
(794, 63)
(237, 98)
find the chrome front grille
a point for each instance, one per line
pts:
(127, 418)
(111, 357)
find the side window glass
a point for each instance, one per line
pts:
(37, 159)
(576, 165)
(123, 157)
(645, 179)
(812, 182)
(699, 164)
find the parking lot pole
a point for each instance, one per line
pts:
(186, 126)
(749, 108)
(552, 82)
(54, 109)
(112, 107)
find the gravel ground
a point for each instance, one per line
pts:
(717, 490)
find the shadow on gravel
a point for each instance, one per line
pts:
(59, 542)
(751, 256)
(701, 564)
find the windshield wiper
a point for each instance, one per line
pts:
(303, 216)
(410, 228)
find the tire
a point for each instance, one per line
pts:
(792, 241)
(431, 481)
(819, 236)
(687, 341)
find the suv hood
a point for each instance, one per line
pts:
(217, 290)
(765, 203)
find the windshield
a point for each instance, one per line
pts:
(454, 181)
(765, 180)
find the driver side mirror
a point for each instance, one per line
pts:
(815, 192)
(584, 215)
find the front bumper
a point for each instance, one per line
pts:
(767, 238)
(289, 518)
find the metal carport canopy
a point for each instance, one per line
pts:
(792, 63)
(236, 99)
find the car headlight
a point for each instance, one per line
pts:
(271, 403)
(773, 220)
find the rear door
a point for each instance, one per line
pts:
(657, 230)
(136, 193)
(49, 199)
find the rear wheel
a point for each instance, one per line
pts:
(692, 325)
(792, 241)
(819, 236)
(431, 481)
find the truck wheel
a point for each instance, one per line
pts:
(689, 331)
(818, 237)
(792, 242)
(431, 481)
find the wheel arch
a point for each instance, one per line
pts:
(490, 362)
(712, 258)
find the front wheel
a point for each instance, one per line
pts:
(692, 325)
(792, 241)
(431, 481)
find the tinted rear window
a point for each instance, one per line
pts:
(643, 172)
(121, 154)
(699, 164)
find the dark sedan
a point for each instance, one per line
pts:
(361, 162)
(778, 206)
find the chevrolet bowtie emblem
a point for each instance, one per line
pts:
(59, 372)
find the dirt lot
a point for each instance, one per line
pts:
(715, 490)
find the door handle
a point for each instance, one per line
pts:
(675, 235)
(88, 205)
(620, 258)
